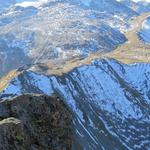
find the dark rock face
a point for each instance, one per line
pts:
(38, 123)
(12, 135)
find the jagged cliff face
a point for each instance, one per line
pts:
(35, 122)
(110, 102)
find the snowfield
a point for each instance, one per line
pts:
(145, 31)
(106, 91)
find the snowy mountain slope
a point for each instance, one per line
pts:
(134, 50)
(144, 34)
(64, 29)
(110, 101)
(111, 6)
(28, 3)
(23, 3)
(139, 6)
(5, 4)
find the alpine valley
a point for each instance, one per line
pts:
(75, 75)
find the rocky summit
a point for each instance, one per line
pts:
(35, 122)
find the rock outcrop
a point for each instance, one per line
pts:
(35, 123)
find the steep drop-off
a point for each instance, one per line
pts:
(109, 100)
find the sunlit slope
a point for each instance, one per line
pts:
(131, 52)
(6, 79)
(134, 50)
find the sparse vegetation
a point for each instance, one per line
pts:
(4, 81)
(134, 50)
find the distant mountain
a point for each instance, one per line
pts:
(144, 33)
(139, 6)
(6, 3)
(110, 101)
(60, 30)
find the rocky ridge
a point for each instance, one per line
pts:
(109, 101)
(35, 122)
(60, 30)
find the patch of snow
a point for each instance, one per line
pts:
(42, 82)
(101, 83)
(145, 31)
(14, 88)
(34, 3)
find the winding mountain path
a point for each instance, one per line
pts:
(134, 50)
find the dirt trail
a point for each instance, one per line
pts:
(134, 50)
(130, 52)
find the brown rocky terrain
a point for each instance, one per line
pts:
(35, 122)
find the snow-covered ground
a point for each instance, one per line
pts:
(27, 3)
(110, 100)
(105, 90)
(62, 31)
(139, 6)
(145, 31)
